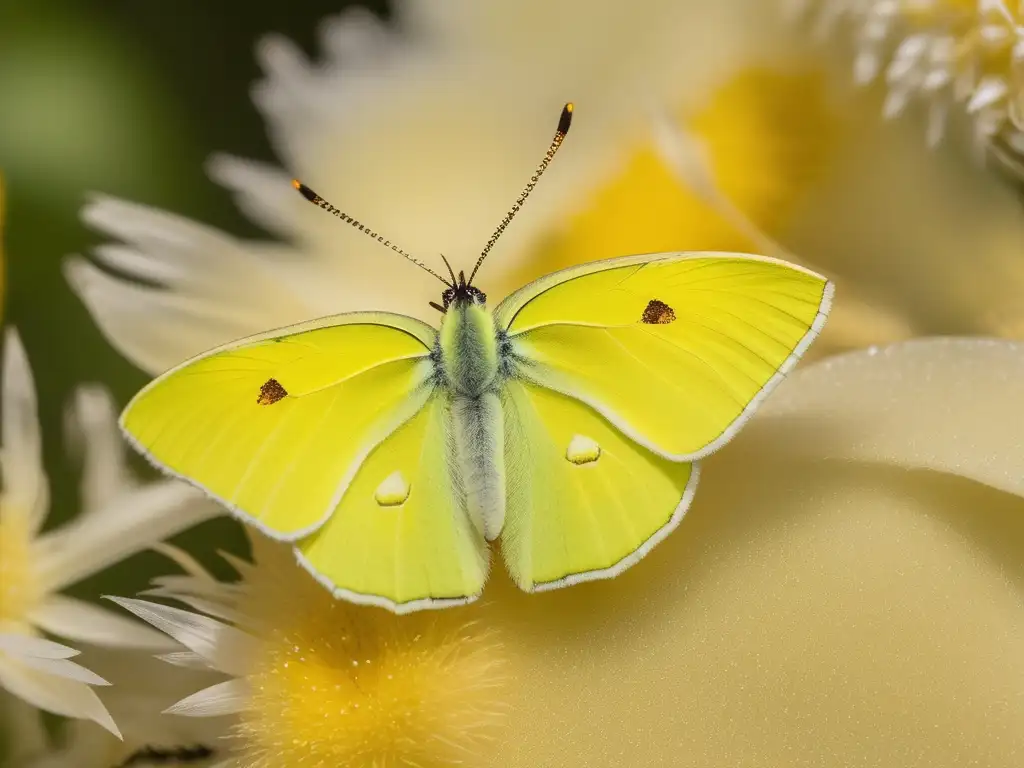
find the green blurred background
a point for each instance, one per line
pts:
(128, 99)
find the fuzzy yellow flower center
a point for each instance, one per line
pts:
(18, 585)
(767, 133)
(335, 684)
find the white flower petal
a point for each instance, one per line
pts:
(30, 645)
(135, 521)
(213, 288)
(989, 91)
(209, 607)
(186, 659)
(225, 698)
(63, 668)
(262, 192)
(224, 647)
(91, 424)
(59, 695)
(182, 326)
(25, 487)
(950, 405)
(84, 622)
(866, 66)
(184, 560)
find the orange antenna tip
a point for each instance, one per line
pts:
(565, 120)
(306, 192)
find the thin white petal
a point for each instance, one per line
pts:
(88, 623)
(263, 193)
(866, 66)
(135, 521)
(91, 424)
(184, 560)
(175, 328)
(209, 607)
(25, 486)
(948, 405)
(29, 645)
(224, 647)
(225, 698)
(55, 694)
(63, 668)
(186, 659)
(989, 91)
(895, 101)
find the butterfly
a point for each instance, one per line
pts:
(566, 423)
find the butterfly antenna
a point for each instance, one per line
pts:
(450, 271)
(563, 128)
(315, 199)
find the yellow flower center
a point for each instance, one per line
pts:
(18, 585)
(335, 684)
(767, 134)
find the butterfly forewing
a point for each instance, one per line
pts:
(676, 350)
(276, 426)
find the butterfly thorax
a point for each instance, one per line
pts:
(468, 347)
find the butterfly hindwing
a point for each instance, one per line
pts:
(584, 501)
(402, 536)
(676, 350)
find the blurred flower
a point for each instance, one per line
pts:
(944, 52)
(850, 567)
(119, 517)
(428, 128)
(319, 682)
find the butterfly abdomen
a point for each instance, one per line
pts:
(480, 449)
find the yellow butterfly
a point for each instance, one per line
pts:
(567, 422)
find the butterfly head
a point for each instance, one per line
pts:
(459, 293)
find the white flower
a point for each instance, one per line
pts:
(314, 681)
(944, 52)
(119, 517)
(428, 128)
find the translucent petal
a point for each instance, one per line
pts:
(25, 487)
(225, 648)
(59, 695)
(88, 623)
(30, 645)
(225, 698)
(943, 404)
(132, 523)
(91, 424)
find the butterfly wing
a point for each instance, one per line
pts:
(402, 537)
(584, 501)
(675, 350)
(625, 372)
(287, 428)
